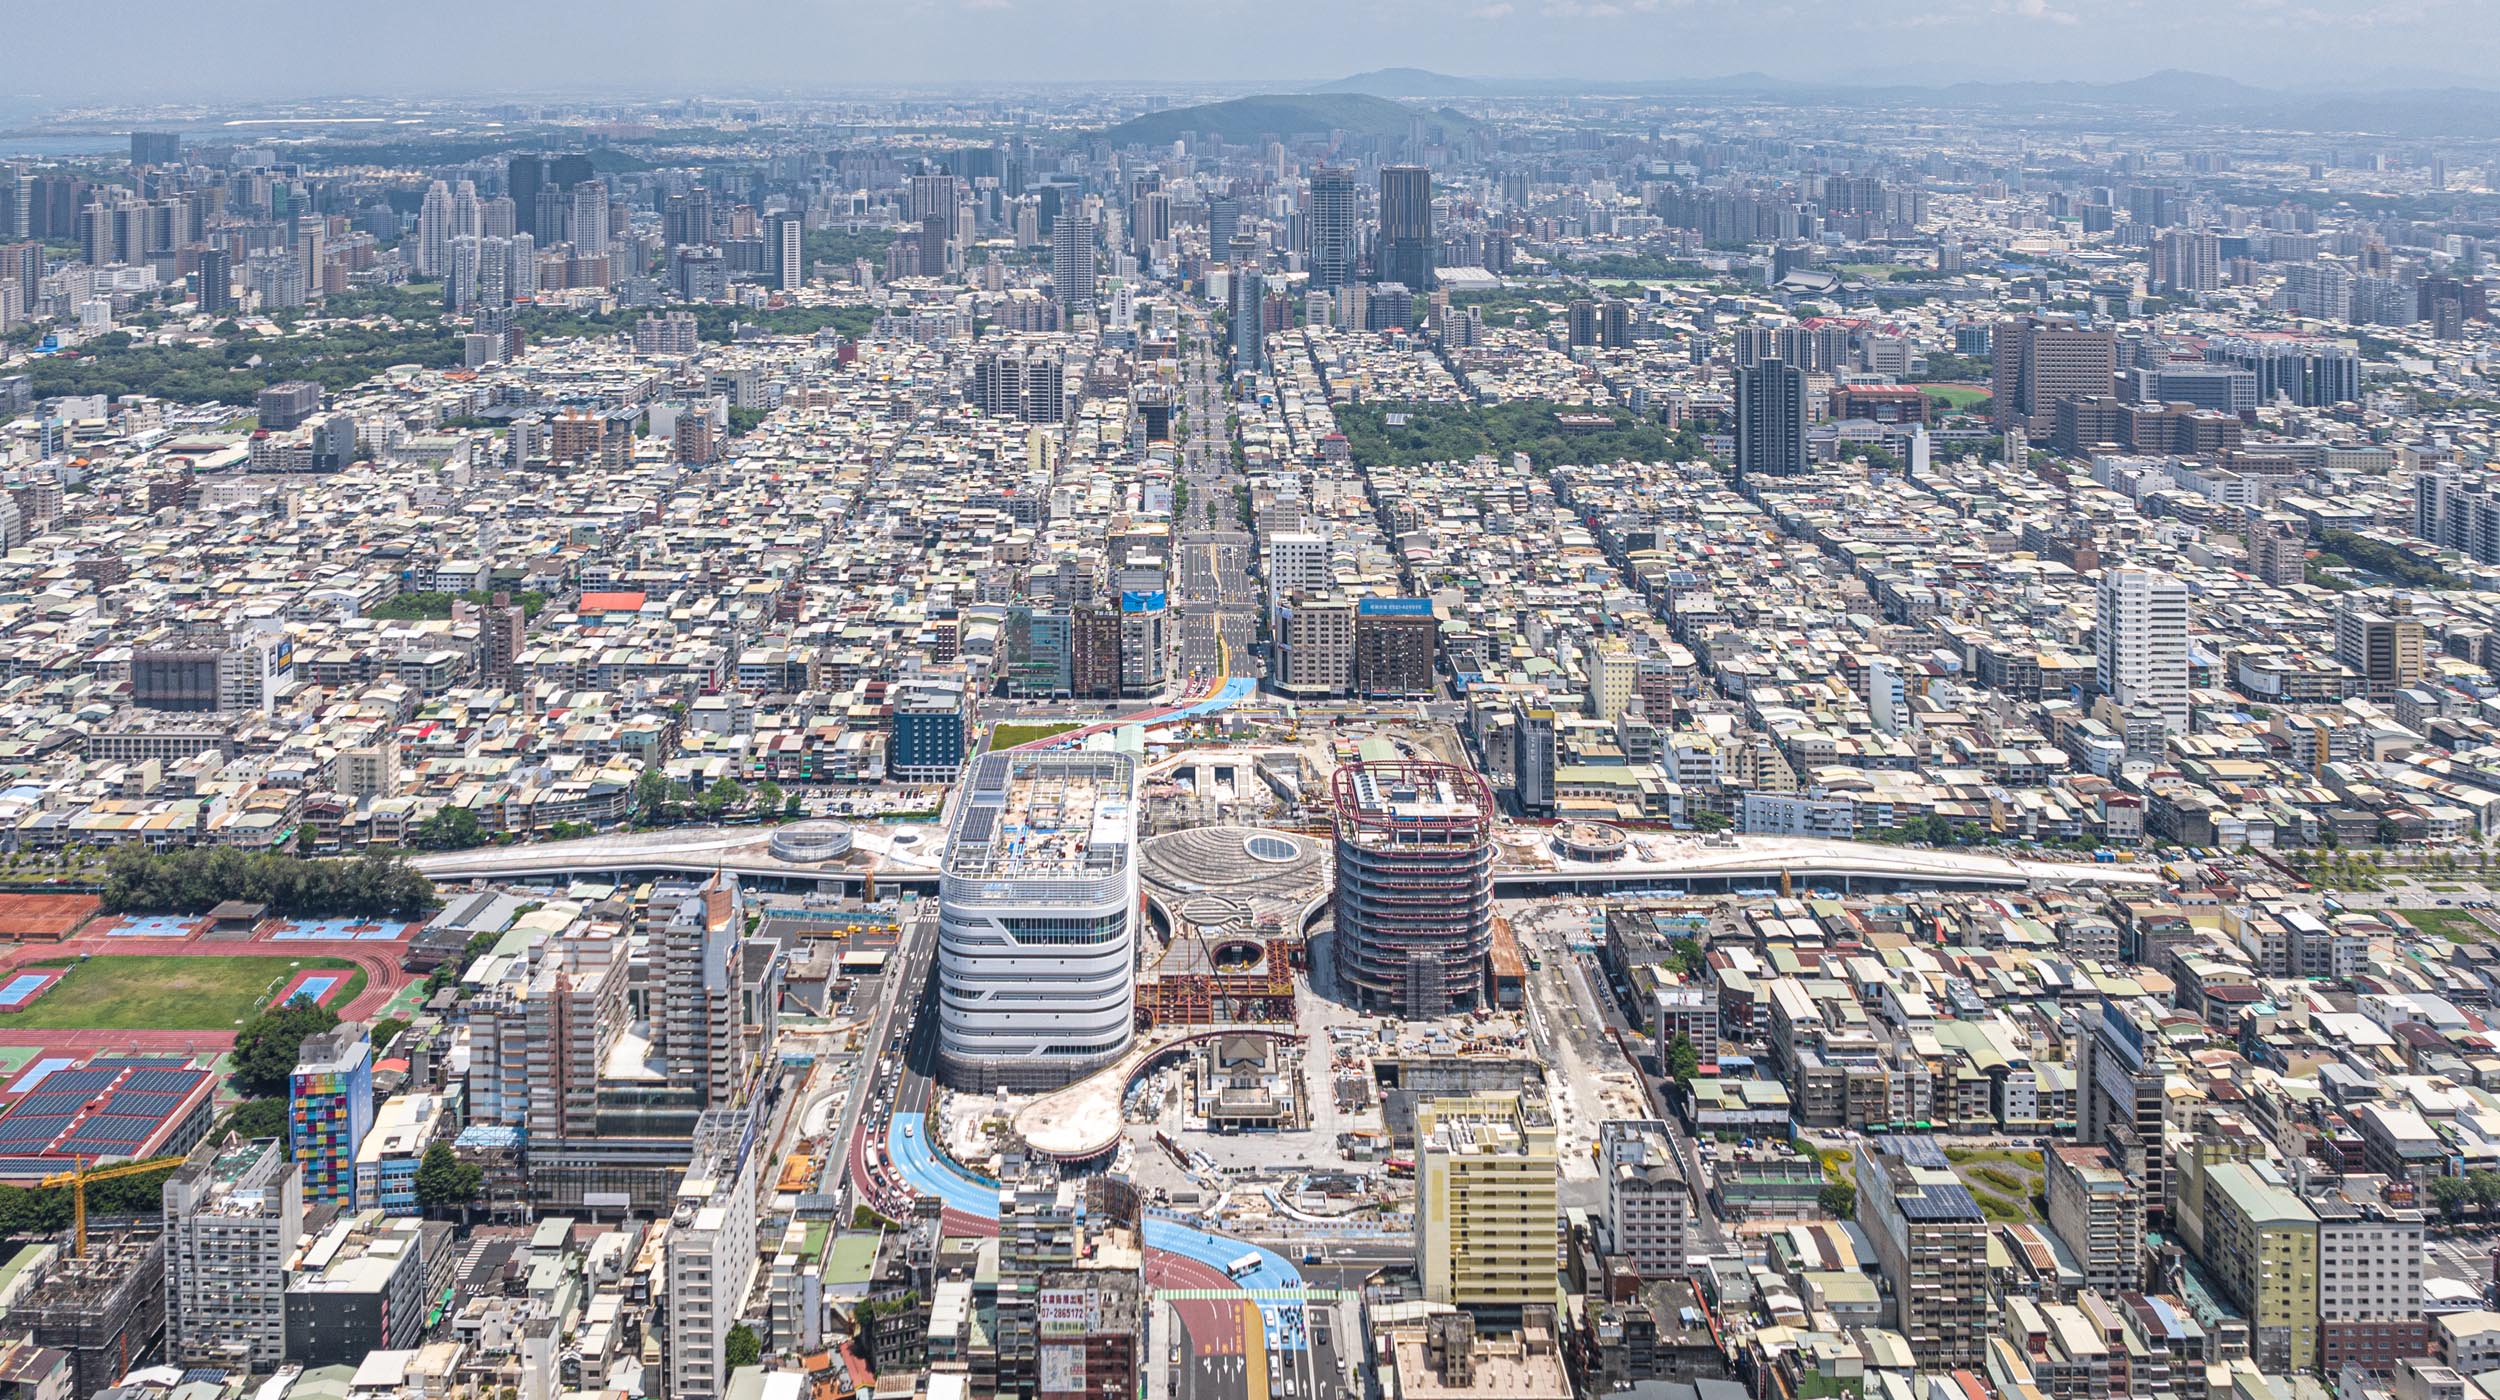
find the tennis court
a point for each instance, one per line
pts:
(335, 931)
(315, 987)
(42, 1070)
(25, 987)
(153, 926)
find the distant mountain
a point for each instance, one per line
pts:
(2420, 103)
(1408, 82)
(1279, 115)
(2171, 89)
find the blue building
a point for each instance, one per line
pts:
(929, 733)
(329, 1111)
(386, 1165)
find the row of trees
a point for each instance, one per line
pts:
(660, 800)
(44, 1210)
(2452, 1194)
(191, 879)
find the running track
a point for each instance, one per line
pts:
(378, 961)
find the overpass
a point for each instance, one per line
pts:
(849, 857)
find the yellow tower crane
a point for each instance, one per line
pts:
(78, 1178)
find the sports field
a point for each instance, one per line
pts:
(1958, 396)
(144, 992)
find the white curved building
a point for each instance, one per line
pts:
(1037, 916)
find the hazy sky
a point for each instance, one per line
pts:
(240, 48)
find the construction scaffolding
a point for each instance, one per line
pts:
(1263, 994)
(106, 1310)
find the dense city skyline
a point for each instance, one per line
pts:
(1120, 731)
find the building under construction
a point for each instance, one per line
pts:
(106, 1310)
(1414, 904)
(1263, 993)
(1230, 904)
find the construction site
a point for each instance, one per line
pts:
(1229, 907)
(107, 1310)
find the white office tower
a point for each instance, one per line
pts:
(1037, 976)
(2143, 643)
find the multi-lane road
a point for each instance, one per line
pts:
(1215, 602)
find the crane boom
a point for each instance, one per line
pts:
(77, 1178)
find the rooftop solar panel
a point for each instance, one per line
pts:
(105, 1129)
(152, 1107)
(979, 822)
(80, 1081)
(21, 1129)
(165, 1081)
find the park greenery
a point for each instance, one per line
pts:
(236, 368)
(190, 880)
(436, 607)
(2478, 1189)
(2413, 567)
(1637, 267)
(1456, 432)
(712, 322)
(833, 245)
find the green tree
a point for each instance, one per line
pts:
(2450, 1194)
(1686, 957)
(652, 794)
(258, 1118)
(449, 829)
(265, 1049)
(2484, 1188)
(445, 1183)
(768, 797)
(385, 1031)
(1839, 1199)
(744, 1347)
(1711, 821)
(1683, 1061)
(722, 796)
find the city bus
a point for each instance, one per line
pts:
(1243, 1267)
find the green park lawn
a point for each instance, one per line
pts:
(1009, 736)
(2455, 925)
(138, 991)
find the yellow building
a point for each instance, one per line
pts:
(1487, 1211)
(2261, 1245)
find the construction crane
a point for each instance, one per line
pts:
(78, 1178)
